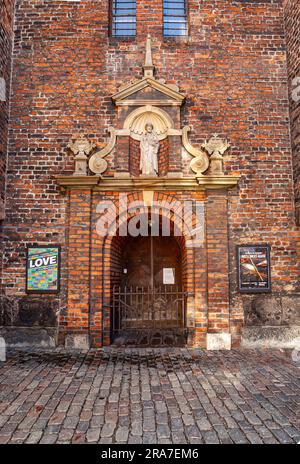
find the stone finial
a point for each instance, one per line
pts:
(148, 66)
(81, 147)
(216, 147)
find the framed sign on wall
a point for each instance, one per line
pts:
(168, 276)
(43, 269)
(254, 269)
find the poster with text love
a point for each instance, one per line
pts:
(43, 269)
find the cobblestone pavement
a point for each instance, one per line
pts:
(149, 396)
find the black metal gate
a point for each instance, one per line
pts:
(148, 311)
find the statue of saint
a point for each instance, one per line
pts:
(149, 150)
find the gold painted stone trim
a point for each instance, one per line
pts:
(148, 196)
(146, 183)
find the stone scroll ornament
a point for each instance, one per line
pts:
(200, 163)
(81, 147)
(97, 163)
(216, 147)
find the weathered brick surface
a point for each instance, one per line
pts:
(233, 70)
(6, 39)
(292, 30)
(217, 262)
(149, 396)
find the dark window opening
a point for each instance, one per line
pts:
(123, 22)
(175, 23)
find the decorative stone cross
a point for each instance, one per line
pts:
(81, 147)
(216, 147)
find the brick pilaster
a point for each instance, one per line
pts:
(217, 262)
(78, 299)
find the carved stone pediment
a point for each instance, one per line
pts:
(148, 91)
(150, 101)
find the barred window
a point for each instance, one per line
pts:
(123, 18)
(175, 23)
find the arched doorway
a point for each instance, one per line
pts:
(151, 261)
(148, 295)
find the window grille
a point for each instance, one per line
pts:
(175, 23)
(123, 18)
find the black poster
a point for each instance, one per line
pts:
(254, 268)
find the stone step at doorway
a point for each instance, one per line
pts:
(152, 338)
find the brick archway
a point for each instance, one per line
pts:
(88, 305)
(189, 275)
(183, 288)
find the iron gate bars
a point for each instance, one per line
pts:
(148, 309)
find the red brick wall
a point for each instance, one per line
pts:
(134, 157)
(233, 70)
(217, 262)
(6, 39)
(292, 29)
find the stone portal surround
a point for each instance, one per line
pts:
(88, 314)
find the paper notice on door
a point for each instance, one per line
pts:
(168, 276)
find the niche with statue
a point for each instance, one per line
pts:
(148, 140)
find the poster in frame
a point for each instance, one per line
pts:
(43, 269)
(254, 268)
